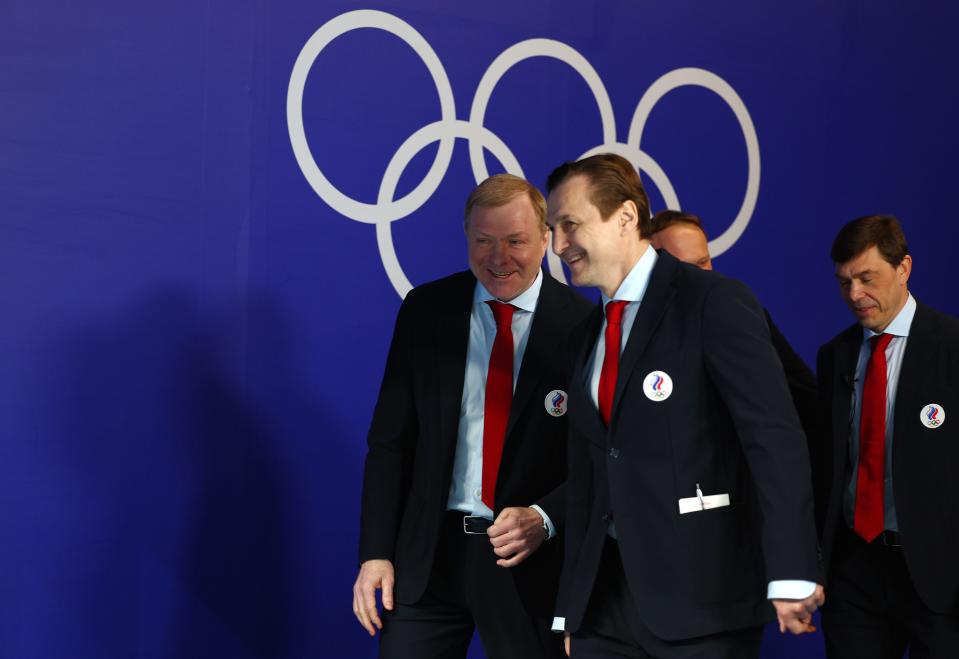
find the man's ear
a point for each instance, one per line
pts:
(628, 216)
(904, 269)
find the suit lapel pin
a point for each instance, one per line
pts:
(932, 415)
(657, 386)
(555, 402)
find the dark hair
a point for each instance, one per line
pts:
(612, 181)
(857, 236)
(665, 219)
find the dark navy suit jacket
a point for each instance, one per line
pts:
(925, 461)
(412, 438)
(729, 426)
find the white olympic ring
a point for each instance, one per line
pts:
(712, 82)
(372, 213)
(386, 210)
(407, 151)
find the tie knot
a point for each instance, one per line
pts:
(614, 311)
(880, 342)
(502, 313)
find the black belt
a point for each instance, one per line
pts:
(884, 539)
(888, 538)
(472, 524)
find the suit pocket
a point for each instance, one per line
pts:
(720, 556)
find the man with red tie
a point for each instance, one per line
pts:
(690, 503)
(886, 462)
(463, 490)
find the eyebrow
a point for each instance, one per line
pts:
(858, 275)
(519, 234)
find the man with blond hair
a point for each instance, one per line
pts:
(463, 491)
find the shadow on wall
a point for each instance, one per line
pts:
(165, 492)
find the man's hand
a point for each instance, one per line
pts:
(566, 642)
(376, 573)
(796, 615)
(516, 534)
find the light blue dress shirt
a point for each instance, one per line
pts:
(899, 328)
(466, 487)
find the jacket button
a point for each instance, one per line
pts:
(614, 452)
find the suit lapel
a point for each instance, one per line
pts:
(451, 334)
(921, 348)
(659, 293)
(541, 348)
(579, 396)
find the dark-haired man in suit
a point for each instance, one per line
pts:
(463, 487)
(689, 495)
(886, 469)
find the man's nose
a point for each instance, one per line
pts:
(855, 292)
(559, 242)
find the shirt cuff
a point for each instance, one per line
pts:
(559, 624)
(790, 589)
(550, 529)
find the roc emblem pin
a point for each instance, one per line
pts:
(658, 386)
(932, 415)
(556, 402)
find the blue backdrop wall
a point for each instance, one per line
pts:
(201, 257)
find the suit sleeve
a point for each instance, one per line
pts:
(554, 505)
(391, 443)
(578, 490)
(820, 442)
(748, 375)
(801, 381)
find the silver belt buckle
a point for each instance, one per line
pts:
(890, 539)
(466, 527)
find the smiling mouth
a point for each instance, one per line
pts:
(501, 275)
(573, 258)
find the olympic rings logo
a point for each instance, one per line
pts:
(387, 209)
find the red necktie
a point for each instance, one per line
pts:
(869, 517)
(607, 377)
(499, 397)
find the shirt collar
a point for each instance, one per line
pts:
(525, 301)
(634, 286)
(900, 324)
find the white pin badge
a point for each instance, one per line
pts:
(556, 402)
(658, 386)
(932, 415)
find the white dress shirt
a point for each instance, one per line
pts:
(466, 486)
